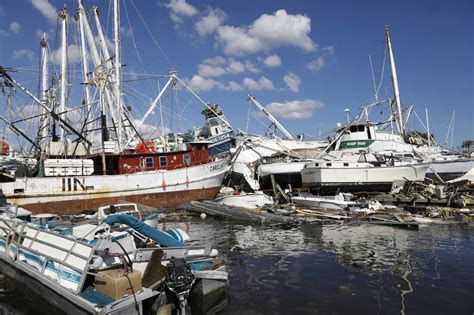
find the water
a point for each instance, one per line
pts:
(331, 269)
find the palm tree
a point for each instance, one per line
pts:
(467, 144)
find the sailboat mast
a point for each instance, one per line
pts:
(394, 80)
(118, 79)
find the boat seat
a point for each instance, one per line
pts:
(95, 297)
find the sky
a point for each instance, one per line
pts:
(306, 61)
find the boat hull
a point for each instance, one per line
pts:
(449, 170)
(328, 180)
(249, 201)
(165, 189)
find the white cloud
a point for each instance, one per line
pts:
(73, 54)
(219, 66)
(199, 83)
(292, 81)
(262, 84)
(126, 31)
(23, 53)
(294, 109)
(15, 27)
(266, 33)
(316, 65)
(180, 9)
(46, 9)
(329, 50)
(209, 23)
(272, 61)
(148, 131)
(233, 86)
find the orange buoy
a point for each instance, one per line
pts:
(187, 180)
(163, 184)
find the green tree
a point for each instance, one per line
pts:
(467, 144)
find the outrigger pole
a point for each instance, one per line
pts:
(53, 114)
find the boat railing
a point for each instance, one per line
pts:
(16, 234)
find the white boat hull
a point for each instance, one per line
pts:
(249, 201)
(448, 170)
(361, 178)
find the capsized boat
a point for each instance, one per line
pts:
(336, 202)
(244, 200)
(116, 263)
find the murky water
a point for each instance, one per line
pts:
(330, 269)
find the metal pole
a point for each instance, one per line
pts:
(85, 65)
(118, 79)
(63, 98)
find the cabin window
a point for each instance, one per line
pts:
(328, 164)
(163, 161)
(148, 162)
(346, 164)
(369, 135)
(186, 159)
(353, 129)
(360, 128)
(316, 164)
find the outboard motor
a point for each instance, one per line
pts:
(179, 280)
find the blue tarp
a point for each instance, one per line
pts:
(162, 238)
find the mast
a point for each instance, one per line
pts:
(105, 68)
(85, 65)
(63, 98)
(428, 131)
(270, 116)
(44, 91)
(118, 79)
(394, 80)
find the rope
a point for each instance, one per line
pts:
(151, 35)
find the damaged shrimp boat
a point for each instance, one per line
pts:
(114, 263)
(100, 155)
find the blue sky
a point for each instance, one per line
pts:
(305, 60)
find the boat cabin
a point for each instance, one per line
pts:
(196, 153)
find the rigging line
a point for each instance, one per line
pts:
(382, 70)
(145, 102)
(151, 35)
(135, 46)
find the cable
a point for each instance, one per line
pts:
(126, 254)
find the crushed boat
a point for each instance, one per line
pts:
(108, 263)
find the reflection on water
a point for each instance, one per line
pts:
(341, 268)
